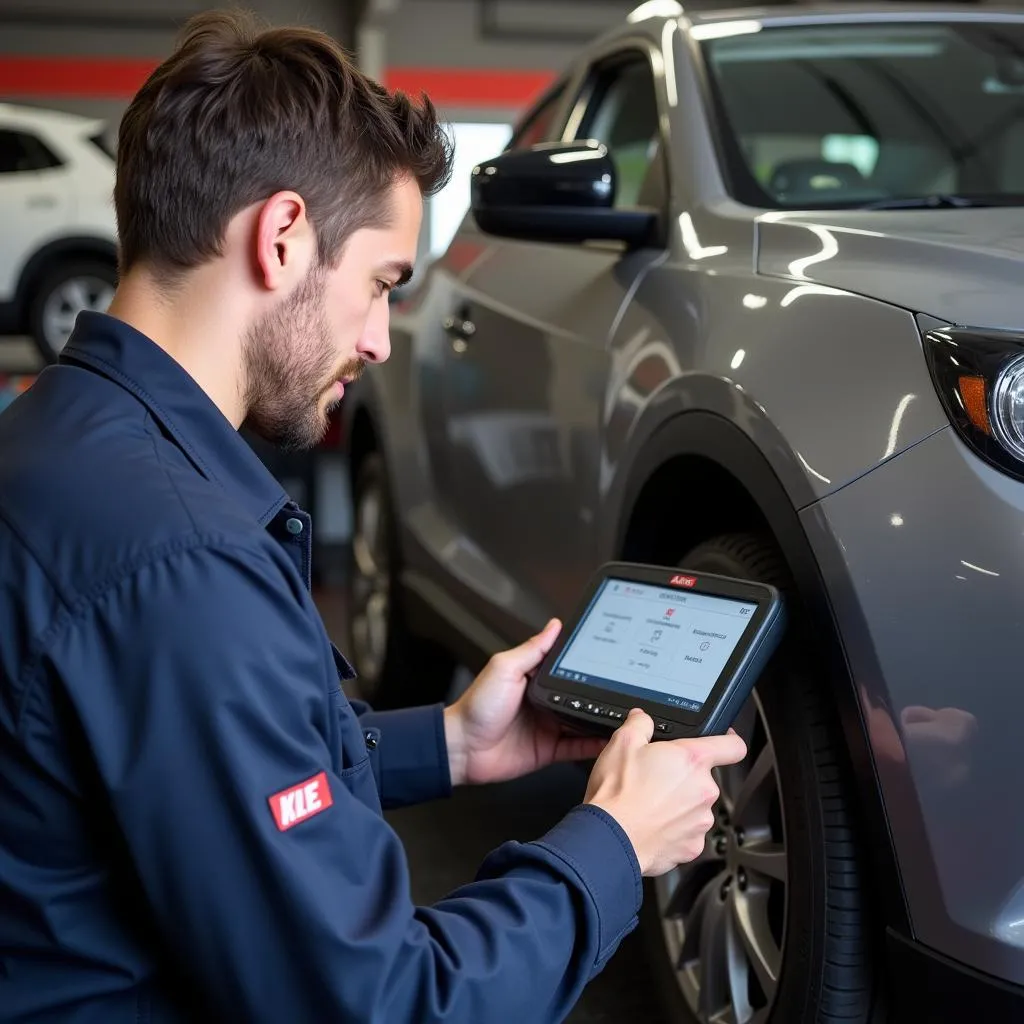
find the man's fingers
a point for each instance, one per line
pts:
(717, 750)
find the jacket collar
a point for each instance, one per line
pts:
(124, 355)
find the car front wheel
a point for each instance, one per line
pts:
(768, 925)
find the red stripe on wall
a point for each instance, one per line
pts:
(468, 87)
(113, 78)
(96, 78)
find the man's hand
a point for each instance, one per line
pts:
(494, 735)
(661, 793)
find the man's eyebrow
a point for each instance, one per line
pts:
(400, 270)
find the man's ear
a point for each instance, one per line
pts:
(285, 241)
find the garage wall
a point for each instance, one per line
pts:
(90, 56)
(483, 59)
(476, 55)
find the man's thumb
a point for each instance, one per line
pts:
(530, 653)
(638, 728)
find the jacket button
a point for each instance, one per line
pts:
(371, 741)
(294, 527)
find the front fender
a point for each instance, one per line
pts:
(828, 385)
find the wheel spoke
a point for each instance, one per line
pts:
(62, 323)
(691, 948)
(75, 295)
(738, 973)
(750, 914)
(714, 964)
(680, 886)
(752, 801)
(763, 857)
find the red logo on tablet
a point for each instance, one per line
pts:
(683, 581)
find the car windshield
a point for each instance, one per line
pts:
(844, 115)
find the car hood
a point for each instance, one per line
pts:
(963, 266)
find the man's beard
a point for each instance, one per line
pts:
(289, 364)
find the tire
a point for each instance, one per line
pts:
(61, 293)
(396, 668)
(814, 931)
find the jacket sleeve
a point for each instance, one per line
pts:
(409, 753)
(203, 693)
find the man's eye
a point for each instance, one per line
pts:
(382, 287)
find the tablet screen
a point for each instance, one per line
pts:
(656, 642)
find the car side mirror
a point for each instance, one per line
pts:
(557, 192)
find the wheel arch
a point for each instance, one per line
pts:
(59, 250)
(706, 470)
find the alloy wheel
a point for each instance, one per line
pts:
(67, 300)
(723, 916)
(371, 585)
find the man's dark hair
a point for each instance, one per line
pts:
(240, 111)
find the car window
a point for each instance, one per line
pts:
(537, 125)
(858, 114)
(623, 114)
(21, 152)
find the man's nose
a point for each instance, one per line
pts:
(375, 344)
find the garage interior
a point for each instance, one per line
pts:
(485, 63)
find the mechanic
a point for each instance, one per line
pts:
(190, 808)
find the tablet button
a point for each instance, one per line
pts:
(617, 715)
(556, 698)
(663, 727)
(576, 704)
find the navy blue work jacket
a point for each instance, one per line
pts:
(190, 808)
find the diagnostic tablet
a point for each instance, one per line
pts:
(687, 647)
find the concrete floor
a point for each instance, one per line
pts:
(447, 840)
(18, 355)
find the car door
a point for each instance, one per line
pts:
(35, 201)
(434, 332)
(526, 369)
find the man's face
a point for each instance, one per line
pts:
(299, 357)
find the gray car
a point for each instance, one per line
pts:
(743, 295)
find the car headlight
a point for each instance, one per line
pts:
(1008, 407)
(979, 375)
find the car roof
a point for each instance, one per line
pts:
(854, 12)
(43, 117)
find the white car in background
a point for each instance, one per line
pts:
(58, 234)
